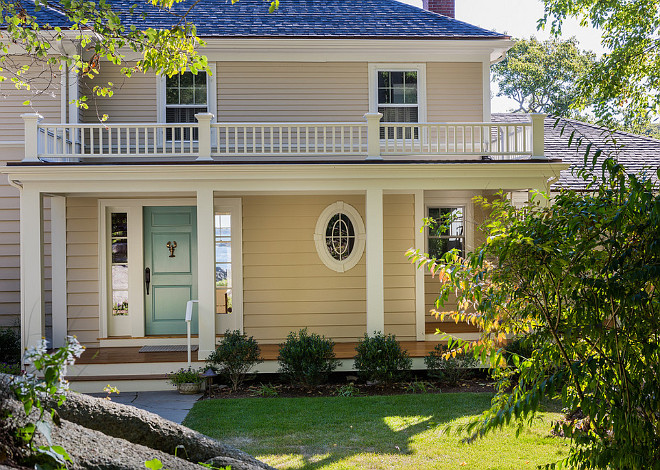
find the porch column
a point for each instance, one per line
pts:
(205, 272)
(420, 313)
(58, 248)
(32, 268)
(375, 266)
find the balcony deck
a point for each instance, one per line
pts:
(239, 142)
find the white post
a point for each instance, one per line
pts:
(30, 123)
(206, 272)
(538, 136)
(373, 135)
(189, 314)
(204, 136)
(32, 268)
(58, 248)
(375, 266)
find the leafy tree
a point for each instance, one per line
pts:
(624, 83)
(85, 32)
(581, 276)
(540, 76)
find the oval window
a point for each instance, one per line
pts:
(340, 236)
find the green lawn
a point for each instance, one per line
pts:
(385, 432)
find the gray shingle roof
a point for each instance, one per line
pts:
(301, 18)
(638, 154)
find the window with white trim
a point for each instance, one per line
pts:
(447, 230)
(397, 95)
(185, 96)
(340, 236)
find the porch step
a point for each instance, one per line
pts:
(111, 378)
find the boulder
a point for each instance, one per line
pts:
(150, 430)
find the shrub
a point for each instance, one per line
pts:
(10, 346)
(235, 356)
(380, 358)
(307, 359)
(185, 376)
(448, 370)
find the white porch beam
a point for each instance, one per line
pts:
(420, 313)
(375, 266)
(58, 247)
(32, 268)
(205, 272)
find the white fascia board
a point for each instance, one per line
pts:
(348, 50)
(103, 180)
(354, 50)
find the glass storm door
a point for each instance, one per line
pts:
(170, 274)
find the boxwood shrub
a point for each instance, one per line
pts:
(380, 358)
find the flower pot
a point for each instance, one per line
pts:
(189, 388)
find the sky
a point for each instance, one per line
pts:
(516, 18)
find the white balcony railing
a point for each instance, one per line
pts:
(205, 140)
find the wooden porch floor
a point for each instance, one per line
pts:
(130, 355)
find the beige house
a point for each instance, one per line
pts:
(280, 190)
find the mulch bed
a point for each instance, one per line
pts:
(272, 386)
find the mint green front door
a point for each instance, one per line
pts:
(170, 262)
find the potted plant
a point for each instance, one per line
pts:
(187, 381)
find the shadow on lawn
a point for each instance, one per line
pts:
(379, 427)
(397, 440)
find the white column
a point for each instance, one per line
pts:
(373, 135)
(375, 282)
(58, 257)
(32, 268)
(30, 124)
(420, 307)
(204, 135)
(206, 271)
(538, 136)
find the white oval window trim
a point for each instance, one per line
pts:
(328, 213)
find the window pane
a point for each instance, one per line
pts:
(120, 302)
(383, 79)
(411, 79)
(223, 252)
(455, 244)
(172, 82)
(186, 96)
(437, 247)
(397, 95)
(119, 221)
(120, 277)
(340, 237)
(410, 96)
(399, 114)
(200, 79)
(384, 96)
(200, 95)
(397, 78)
(186, 79)
(173, 96)
(221, 275)
(119, 250)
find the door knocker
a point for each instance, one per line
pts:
(171, 246)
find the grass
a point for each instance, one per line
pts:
(382, 432)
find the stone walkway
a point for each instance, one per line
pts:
(169, 404)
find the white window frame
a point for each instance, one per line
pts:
(468, 218)
(211, 94)
(399, 67)
(360, 236)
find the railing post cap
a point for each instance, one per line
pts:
(204, 116)
(538, 115)
(373, 116)
(32, 117)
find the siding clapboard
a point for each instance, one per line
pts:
(82, 269)
(454, 91)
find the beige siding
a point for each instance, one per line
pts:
(286, 285)
(399, 235)
(134, 99)
(454, 92)
(281, 91)
(82, 269)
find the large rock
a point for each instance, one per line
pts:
(152, 431)
(93, 450)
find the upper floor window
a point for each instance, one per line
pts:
(447, 232)
(397, 96)
(185, 96)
